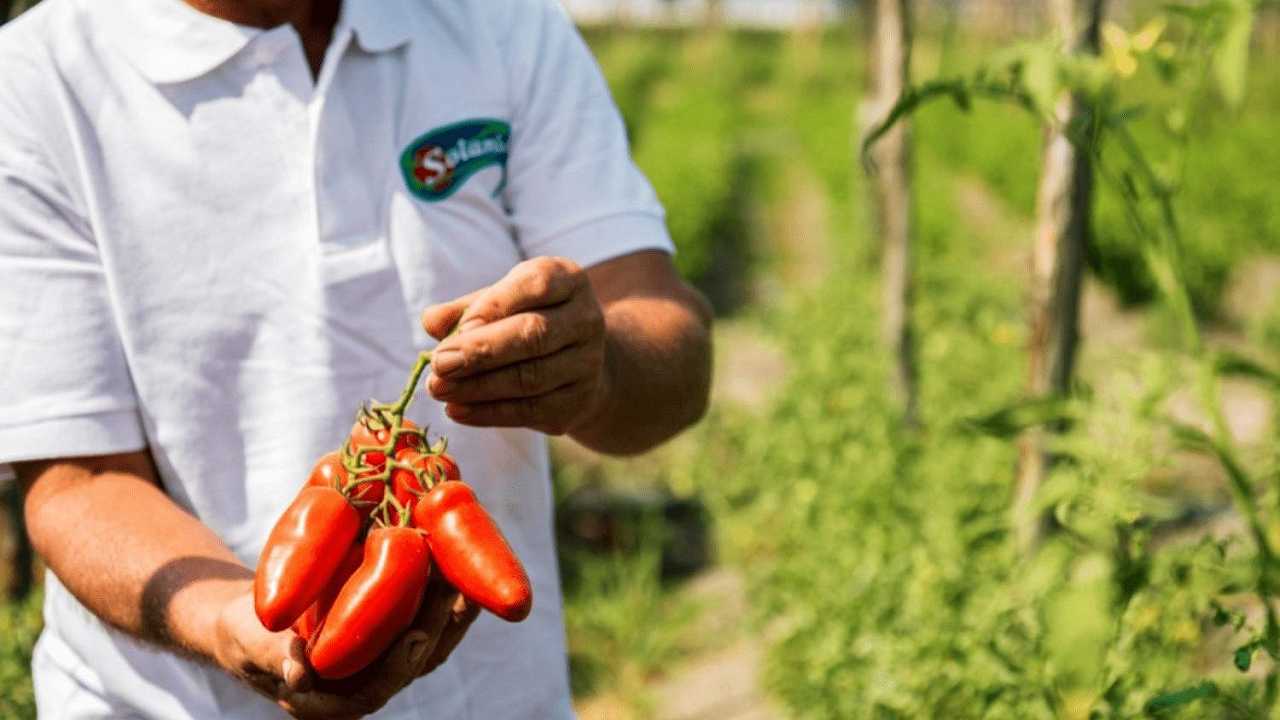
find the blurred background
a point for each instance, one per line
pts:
(994, 420)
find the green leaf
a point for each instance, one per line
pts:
(1012, 419)
(1041, 78)
(1244, 656)
(1170, 700)
(1232, 364)
(1190, 437)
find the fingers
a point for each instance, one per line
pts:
(438, 628)
(293, 668)
(268, 661)
(405, 659)
(512, 339)
(529, 378)
(552, 413)
(461, 615)
(438, 320)
(536, 283)
(320, 705)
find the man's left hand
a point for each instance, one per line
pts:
(529, 351)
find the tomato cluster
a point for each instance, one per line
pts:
(347, 564)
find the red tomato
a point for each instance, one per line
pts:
(302, 553)
(362, 436)
(375, 605)
(471, 552)
(328, 472)
(367, 495)
(310, 620)
(405, 484)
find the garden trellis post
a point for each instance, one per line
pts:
(1062, 231)
(891, 187)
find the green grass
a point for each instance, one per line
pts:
(19, 626)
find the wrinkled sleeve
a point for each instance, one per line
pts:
(64, 381)
(572, 187)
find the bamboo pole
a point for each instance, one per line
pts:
(891, 188)
(1062, 234)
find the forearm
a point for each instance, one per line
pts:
(128, 553)
(658, 369)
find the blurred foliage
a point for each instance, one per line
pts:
(1177, 83)
(20, 624)
(885, 564)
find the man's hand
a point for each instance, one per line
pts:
(529, 352)
(275, 664)
(618, 355)
(441, 622)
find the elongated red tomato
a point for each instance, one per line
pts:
(471, 551)
(310, 620)
(405, 485)
(375, 605)
(302, 553)
(328, 472)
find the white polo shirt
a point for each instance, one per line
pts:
(204, 252)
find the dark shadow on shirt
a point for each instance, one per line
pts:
(173, 577)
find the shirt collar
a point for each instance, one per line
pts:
(379, 25)
(170, 41)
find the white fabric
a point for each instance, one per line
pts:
(204, 252)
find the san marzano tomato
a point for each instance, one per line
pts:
(471, 552)
(310, 620)
(375, 605)
(302, 553)
(405, 484)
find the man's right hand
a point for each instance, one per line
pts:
(275, 664)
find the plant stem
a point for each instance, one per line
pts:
(406, 397)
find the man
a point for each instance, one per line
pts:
(223, 225)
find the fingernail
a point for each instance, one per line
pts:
(294, 675)
(418, 653)
(444, 362)
(438, 386)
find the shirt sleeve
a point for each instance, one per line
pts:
(572, 187)
(63, 376)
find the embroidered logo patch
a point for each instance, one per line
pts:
(440, 161)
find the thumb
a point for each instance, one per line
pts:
(441, 318)
(293, 667)
(400, 665)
